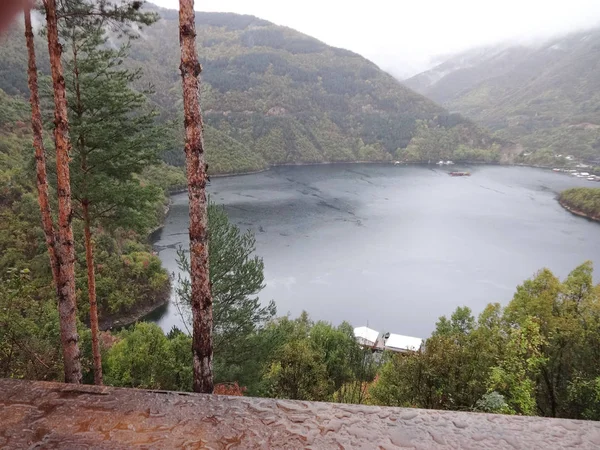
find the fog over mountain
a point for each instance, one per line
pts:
(543, 95)
(407, 37)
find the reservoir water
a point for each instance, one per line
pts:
(395, 247)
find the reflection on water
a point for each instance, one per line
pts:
(157, 314)
(394, 246)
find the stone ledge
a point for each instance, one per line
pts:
(54, 415)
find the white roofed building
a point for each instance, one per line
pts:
(379, 342)
(366, 336)
(403, 344)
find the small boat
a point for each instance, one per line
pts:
(556, 170)
(459, 174)
(449, 163)
(440, 163)
(592, 178)
(396, 163)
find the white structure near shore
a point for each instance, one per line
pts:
(403, 344)
(366, 336)
(398, 343)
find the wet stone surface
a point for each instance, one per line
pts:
(51, 415)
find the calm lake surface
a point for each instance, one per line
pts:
(395, 247)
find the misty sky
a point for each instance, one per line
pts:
(402, 36)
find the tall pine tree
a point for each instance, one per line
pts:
(113, 133)
(40, 151)
(65, 249)
(201, 297)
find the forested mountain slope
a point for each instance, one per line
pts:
(272, 95)
(546, 96)
(129, 277)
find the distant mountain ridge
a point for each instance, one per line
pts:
(272, 95)
(546, 96)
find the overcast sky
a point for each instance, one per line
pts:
(404, 35)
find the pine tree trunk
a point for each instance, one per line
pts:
(67, 307)
(201, 298)
(40, 151)
(91, 276)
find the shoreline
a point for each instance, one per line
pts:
(416, 163)
(120, 321)
(326, 163)
(577, 212)
(271, 166)
(392, 162)
(228, 174)
(166, 210)
(137, 315)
